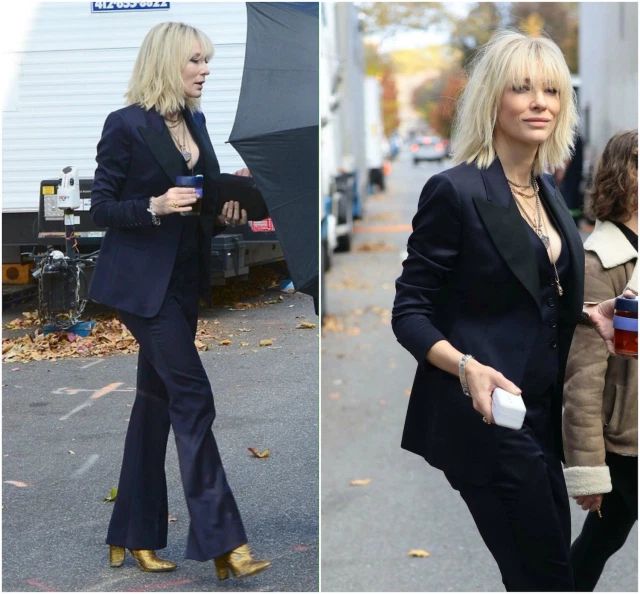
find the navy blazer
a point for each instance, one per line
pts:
(471, 278)
(137, 159)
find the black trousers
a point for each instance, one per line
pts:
(173, 390)
(523, 513)
(602, 537)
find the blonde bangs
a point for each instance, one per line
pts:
(509, 59)
(156, 80)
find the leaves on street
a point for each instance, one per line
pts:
(360, 482)
(259, 454)
(419, 553)
(20, 484)
(111, 497)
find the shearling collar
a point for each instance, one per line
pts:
(610, 245)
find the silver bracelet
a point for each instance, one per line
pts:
(462, 373)
(155, 219)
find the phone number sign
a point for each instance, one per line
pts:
(120, 6)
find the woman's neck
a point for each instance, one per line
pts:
(516, 159)
(632, 223)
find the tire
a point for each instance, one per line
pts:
(344, 243)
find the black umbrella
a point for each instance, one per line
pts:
(276, 127)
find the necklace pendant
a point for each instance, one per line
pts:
(186, 155)
(560, 290)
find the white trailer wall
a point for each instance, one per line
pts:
(74, 69)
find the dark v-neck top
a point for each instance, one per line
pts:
(542, 371)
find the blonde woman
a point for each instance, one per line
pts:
(152, 265)
(600, 421)
(489, 296)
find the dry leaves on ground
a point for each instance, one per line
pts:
(111, 497)
(380, 217)
(349, 283)
(29, 319)
(20, 484)
(109, 336)
(360, 482)
(259, 454)
(266, 342)
(305, 326)
(375, 246)
(419, 553)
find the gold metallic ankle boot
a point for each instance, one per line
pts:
(146, 559)
(240, 562)
(116, 556)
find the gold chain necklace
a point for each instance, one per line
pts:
(540, 228)
(183, 147)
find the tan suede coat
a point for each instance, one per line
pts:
(600, 390)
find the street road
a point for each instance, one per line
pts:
(368, 530)
(63, 433)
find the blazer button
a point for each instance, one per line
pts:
(554, 324)
(554, 345)
(551, 302)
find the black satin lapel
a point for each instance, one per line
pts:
(553, 200)
(509, 235)
(163, 149)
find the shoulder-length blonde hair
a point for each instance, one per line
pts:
(156, 80)
(509, 58)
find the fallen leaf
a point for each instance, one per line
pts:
(419, 553)
(259, 454)
(20, 484)
(225, 342)
(305, 326)
(172, 518)
(360, 482)
(113, 493)
(375, 246)
(244, 344)
(71, 452)
(266, 342)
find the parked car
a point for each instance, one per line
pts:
(429, 148)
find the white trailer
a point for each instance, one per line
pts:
(73, 68)
(344, 172)
(374, 131)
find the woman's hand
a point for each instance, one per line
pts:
(174, 200)
(244, 172)
(591, 503)
(601, 316)
(482, 380)
(232, 215)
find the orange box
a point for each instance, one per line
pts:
(17, 274)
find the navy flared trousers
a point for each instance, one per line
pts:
(173, 391)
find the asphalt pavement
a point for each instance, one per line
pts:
(64, 424)
(400, 503)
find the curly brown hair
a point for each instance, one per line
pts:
(614, 194)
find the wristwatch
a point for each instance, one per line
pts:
(155, 219)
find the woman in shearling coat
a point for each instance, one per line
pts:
(601, 390)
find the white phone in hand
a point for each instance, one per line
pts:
(508, 409)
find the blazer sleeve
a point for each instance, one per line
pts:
(583, 438)
(432, 249)
(109, 207)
